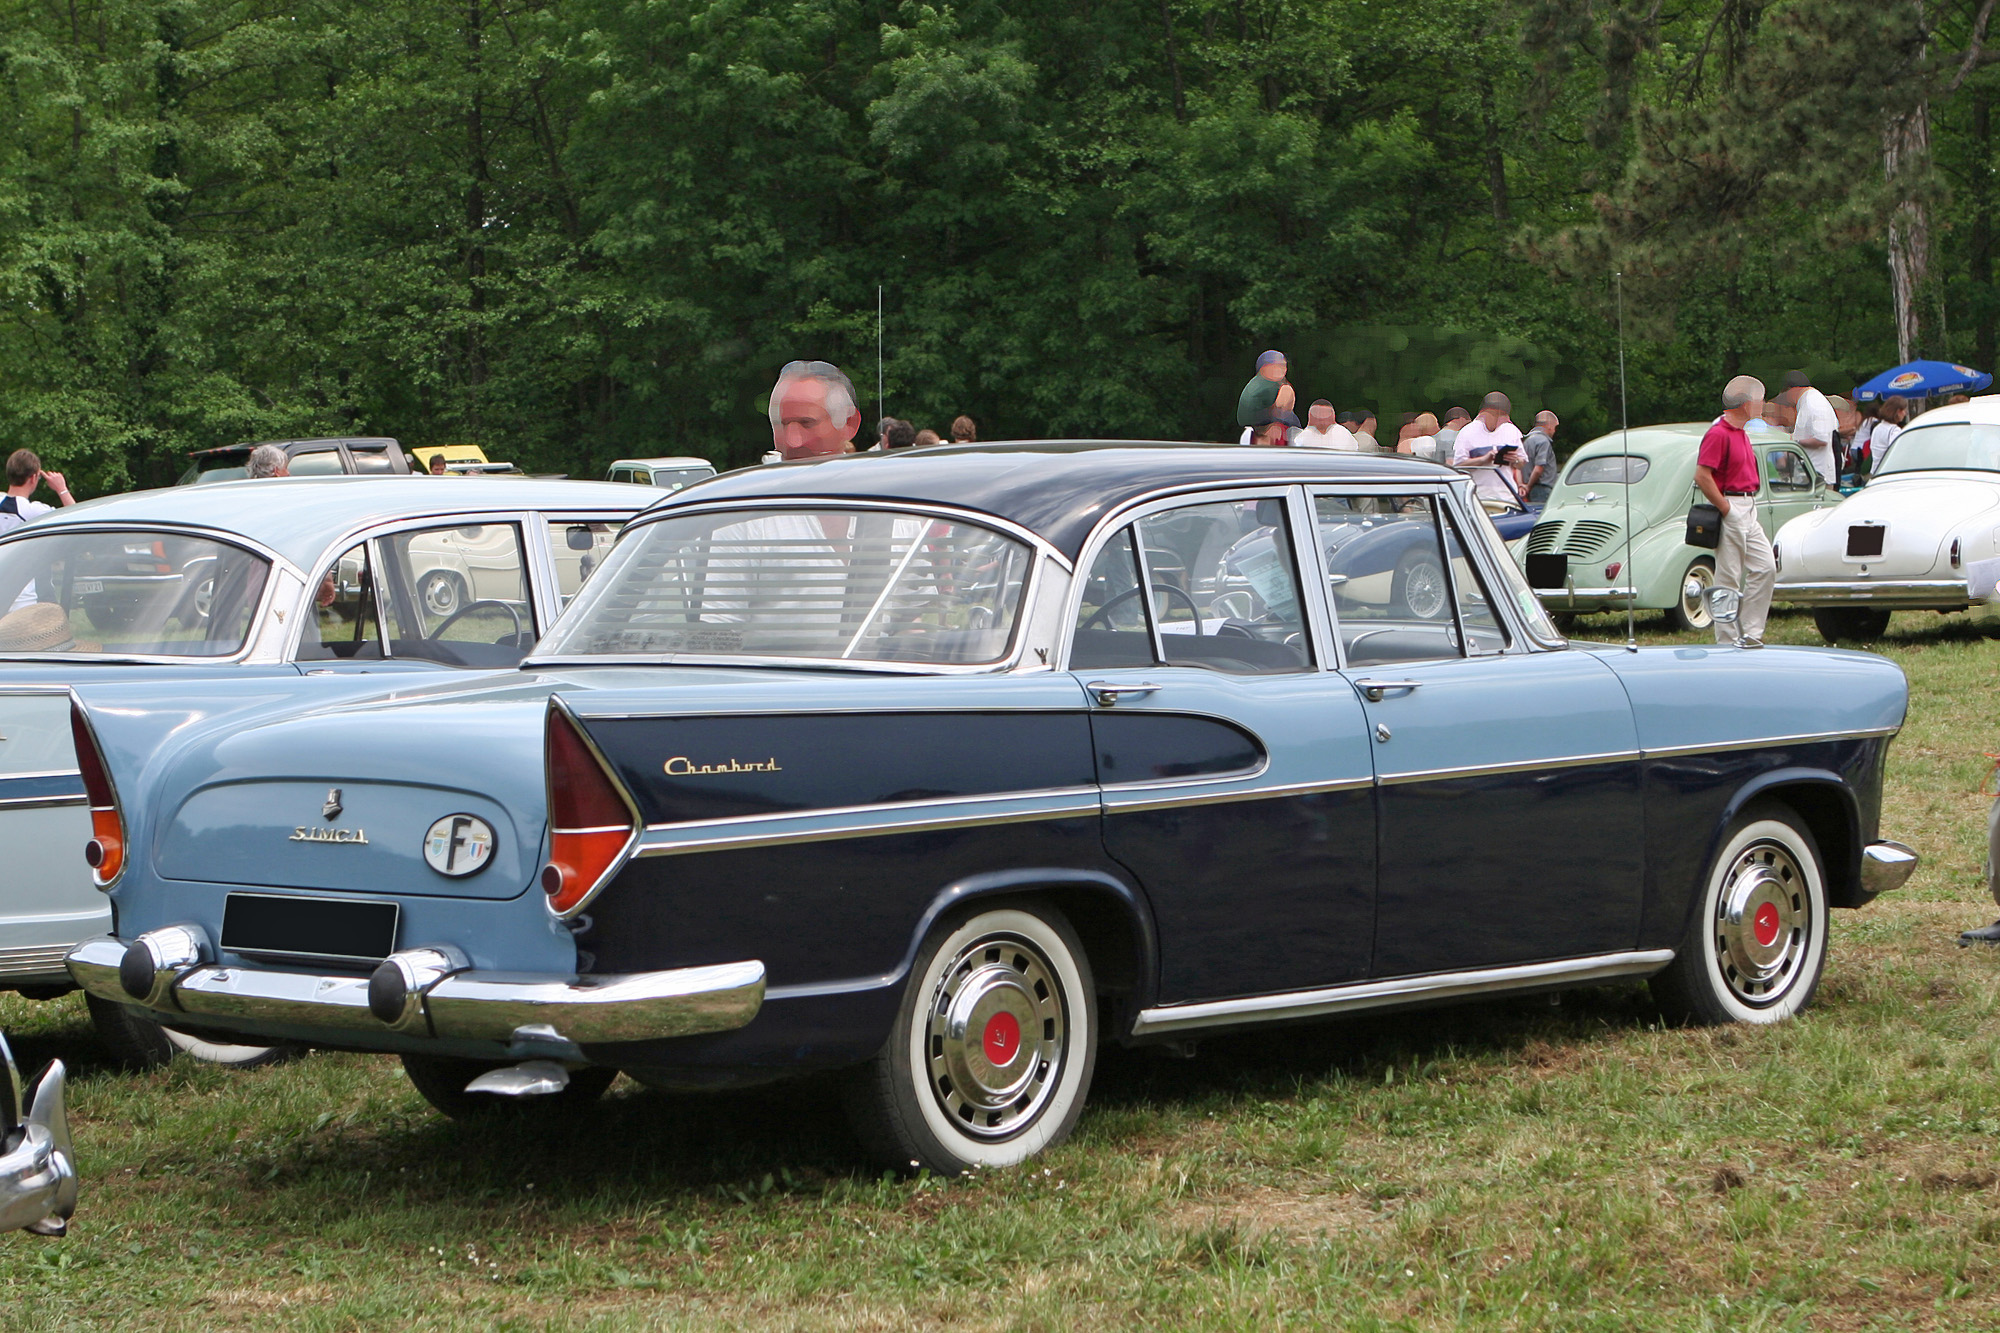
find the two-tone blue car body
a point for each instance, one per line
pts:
(237, 584)
(947, 768)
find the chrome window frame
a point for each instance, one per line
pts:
(265, 601)
(1286, 488)
(1011, 660)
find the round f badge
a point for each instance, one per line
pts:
(459, 845)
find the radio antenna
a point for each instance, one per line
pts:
(1625, 443)
(881, 402)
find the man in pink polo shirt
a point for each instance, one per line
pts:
(1726, 472)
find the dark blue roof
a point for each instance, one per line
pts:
(1057, 489)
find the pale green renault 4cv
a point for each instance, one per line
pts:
(1584, 522)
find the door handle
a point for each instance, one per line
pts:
(1372, 689)
(1106, 693)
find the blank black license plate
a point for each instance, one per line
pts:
(1864, 543)
(259, 924)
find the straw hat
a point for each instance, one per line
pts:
(42, 627)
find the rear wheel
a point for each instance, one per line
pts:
(1691, 611)
(137, 1042)
(441, 1080)
(1419, 587)
(993, 1049)
(1850, 624)
(441, 593)
(1757, 944)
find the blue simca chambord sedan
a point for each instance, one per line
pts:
(945, 769)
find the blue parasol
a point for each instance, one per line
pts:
(1922, 379)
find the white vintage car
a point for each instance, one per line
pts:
(1923, 535)
(253, 582)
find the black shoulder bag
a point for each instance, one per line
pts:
(1704, 526)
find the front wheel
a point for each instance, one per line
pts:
(1690, 610)
(1757, 945)
(441, 1080)
(1850, 624)
(993, 1049)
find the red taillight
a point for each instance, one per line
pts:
(1954, 553)
(590, 823)
(105, 851)
(1611, 570)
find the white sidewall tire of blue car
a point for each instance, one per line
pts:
(1768, 870)
(1011, 982)
(232, 1056)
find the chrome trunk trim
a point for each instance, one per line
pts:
(1398, 990)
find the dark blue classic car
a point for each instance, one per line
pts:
(947, 768)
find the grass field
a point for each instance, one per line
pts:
(1513, 1165)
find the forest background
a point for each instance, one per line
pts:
(570, 230)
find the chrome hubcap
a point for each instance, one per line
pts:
(997, 1035)
(1763, 924)
(440, 598)
(1423, 591)
(1694, 596)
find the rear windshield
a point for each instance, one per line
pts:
(127, 593)
(1608, 470)
(822, 584)
(1958, 445)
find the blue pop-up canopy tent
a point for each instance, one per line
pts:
(1922, 379)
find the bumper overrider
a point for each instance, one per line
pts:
(425, 992)
(37, 1165)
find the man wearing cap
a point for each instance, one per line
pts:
(1813, 424)
(1726, 472)
(1266, 392)
(813, 411)
(1324, 431)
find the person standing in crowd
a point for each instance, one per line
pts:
(268, 461)
(1813, 424)
(893, 433)
(1538, 448)
(1455, 419)
(1726, 472)
(1489, 431)
(1323, 430)
(1275, 430)
(1895, 410)
(963, 431)
(1361, 424)
(1846, 420)
(813, 412)
(437, 468)
(1266, 392)
(24, 476)
(1419, 437)
(926, 438)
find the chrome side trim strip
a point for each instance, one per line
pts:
(778, 837)
(43, 773)
(1399, 990)
(988, 798)
(1114, 803)
(41, 802)
(1512, 766)
(35, 962)
(1715, 747)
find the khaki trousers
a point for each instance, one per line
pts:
(1743, 562)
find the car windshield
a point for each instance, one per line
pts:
(1608, 470)
(127, 593)
(825, 584)
(1959, 445)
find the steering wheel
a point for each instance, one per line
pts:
(1169, 589)
(469, 607)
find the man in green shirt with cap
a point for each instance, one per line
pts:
(1266, 392)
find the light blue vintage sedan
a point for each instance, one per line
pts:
(942, 770)
(242, 584)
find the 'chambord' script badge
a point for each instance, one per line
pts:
(680, 766)
(333, 807)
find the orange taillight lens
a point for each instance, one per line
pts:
(590, 821)
(105, 851)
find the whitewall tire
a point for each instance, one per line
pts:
(1756, 946)
(993, 1049)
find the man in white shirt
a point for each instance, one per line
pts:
(1323, 432)
(24, 474)
(1482, 439)
(1813, 424)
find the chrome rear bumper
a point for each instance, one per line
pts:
(1904, 594)
(175, 975)
(37, 1166)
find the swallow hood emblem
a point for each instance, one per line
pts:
(332, 808)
